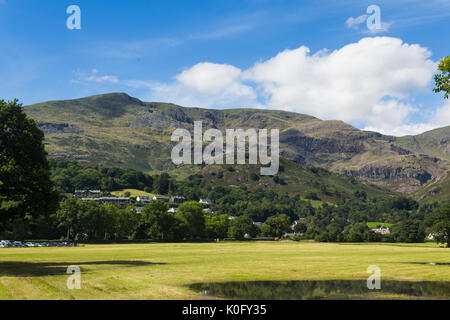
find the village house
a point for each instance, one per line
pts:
(143, 199)
(208, 211)
(177, 199)
(87, 193)
(296, 222)
(382, 230)
(160, 198)
(106, 200)
(173, 210)
(205, 202)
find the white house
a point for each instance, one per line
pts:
(205, 202)
(160, 198)
(173, 210)
(382, 230)
(143, 199)
(208, 211)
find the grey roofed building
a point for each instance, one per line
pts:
(160, 198)
(205, 202)
(87, 193)
(143, 199)
(177, 199)
(106, 200)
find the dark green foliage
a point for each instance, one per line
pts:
(159, 224)
(162, 184)
(26, 190)
(70, 176)
(216, 226)
(439, 221)
(191, 215)
(312, 196)
(276, 226)
(443, 79)
(408, 231)
(242, 226)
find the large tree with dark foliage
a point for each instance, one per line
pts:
(25, 186)
(439, 221)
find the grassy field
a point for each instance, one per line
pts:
(163, 271)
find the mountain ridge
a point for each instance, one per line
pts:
(119, 130)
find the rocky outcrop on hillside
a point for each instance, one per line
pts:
(58, 128)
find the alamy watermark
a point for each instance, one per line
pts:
(374, 18)
(74, 281)
(235, 151)
(374, 281)
(74, 20)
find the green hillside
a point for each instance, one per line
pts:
(120, 131)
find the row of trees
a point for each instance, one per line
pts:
(109, 222)
(70, 176)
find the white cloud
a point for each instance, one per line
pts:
(347, 84)
(95, 77)
(353, 22)
(439, 118)
(209, 77)
(371, 82)
(361, 21)
(383, 28)
(207, 85)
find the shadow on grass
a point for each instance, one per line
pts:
(323, 290)
(38, 269)
(430, 263)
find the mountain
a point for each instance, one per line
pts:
(118, 130)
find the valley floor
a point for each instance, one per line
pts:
(164, 271)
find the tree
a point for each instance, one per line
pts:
(443, 79)
(191, 214)
(67, 216)
(241, 226)
(300, 228)
(216, 226)
(408, 231)
(276, 226)
(25, 186)
(157, 222)
(439, 220)
(162, 184)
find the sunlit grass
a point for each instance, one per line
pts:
(162, 271)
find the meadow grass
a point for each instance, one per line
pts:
(163, 271)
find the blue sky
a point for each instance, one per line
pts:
(302, 56)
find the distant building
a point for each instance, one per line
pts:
(296, 222)
(382, 230)
(160, 198)
(231, 217)
(205, 202)
(139, 210)
(431, 236)
(173, 210)
(208, 211)
(258, 224)
(177, 199)
(106, 200)
(143, 199)
(87, 193)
